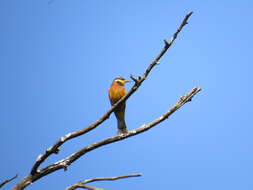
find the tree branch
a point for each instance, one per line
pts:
(55, 148)
(73, 157)
(35, 173)
(63, 164)
(83, 183)
(8, 180)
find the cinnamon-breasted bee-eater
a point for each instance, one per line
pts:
(116, 92)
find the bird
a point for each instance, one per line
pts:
(116, 92)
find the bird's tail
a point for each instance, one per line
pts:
(122, 129)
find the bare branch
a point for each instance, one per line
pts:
(55, 148)
(8, 180)
(73, 157)
(36, 174)
(70, 159)
(110, 178)
(83, 183)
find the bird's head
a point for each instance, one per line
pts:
(120, 81)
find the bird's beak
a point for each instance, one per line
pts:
(128, 81)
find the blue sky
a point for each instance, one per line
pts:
(58, 60)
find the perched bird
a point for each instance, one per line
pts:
(116, 92)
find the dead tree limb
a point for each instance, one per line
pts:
(55, 148)
(37, 173)
(63, 164)
(82, 184)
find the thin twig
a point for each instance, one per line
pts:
(83, 183)
(8, 180)
(110, 178)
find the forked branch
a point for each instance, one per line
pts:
(73, 157)
(55, 148)
(37, 173)
(63, 164)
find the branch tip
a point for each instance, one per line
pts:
(134, 79)
(190, 13)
